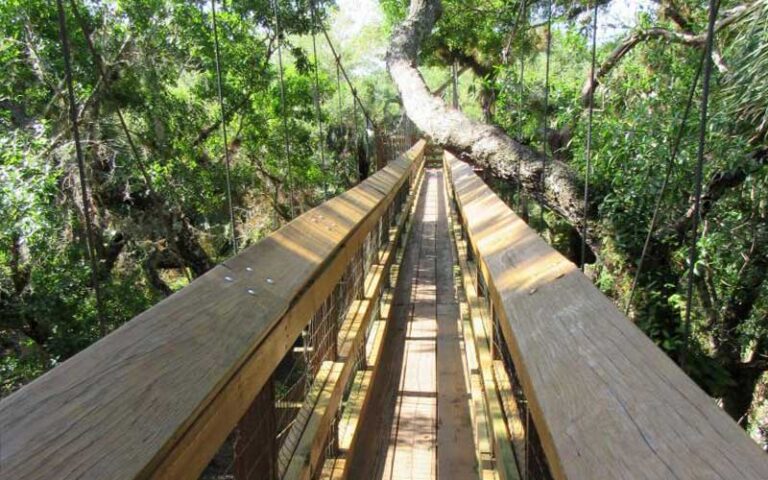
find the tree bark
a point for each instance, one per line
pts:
(551, 182)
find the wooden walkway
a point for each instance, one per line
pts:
(418, 424)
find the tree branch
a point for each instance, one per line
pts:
(552, 183)
(684, 37)
(719, 184)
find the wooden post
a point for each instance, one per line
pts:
(255, 442)
(381, 148)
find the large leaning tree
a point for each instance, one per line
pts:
(556, 185)
(551, 182)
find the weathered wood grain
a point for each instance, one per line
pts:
(480, 332)
(309, 450)
(157, 397)
(606, 401)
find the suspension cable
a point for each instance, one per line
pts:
(97, 60)
(588, 163)
(338, 92)
(341, 71)
(227, 159)
(455, 83)
(546, 114)
(340, 66)
(521, 83)
(714, 5)
(355, 153)
(318, 112)
(283, 106)
(667, 175)
(90, 238)
(338, 87)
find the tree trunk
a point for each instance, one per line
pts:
(551, 182)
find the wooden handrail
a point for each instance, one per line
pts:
(157, 397)
(306, 462)
(607, 403)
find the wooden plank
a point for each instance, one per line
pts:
(607, 403)
(170, 385)
(505, 461)
(293, 437)
(478, 410)
(351, 417)
(307, 451)
(455, 434)
(368, 451)
(352, 333)
(515, 423)
(357, 405)
(333, 469)
(411, 383)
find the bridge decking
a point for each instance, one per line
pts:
(418, 425)
(563, 386)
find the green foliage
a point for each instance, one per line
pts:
(638, 112)
(161, 213)
(165, 211)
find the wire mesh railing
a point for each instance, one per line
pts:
(337, 338)
(495, 365)
(529, 453)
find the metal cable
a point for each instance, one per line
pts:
(693, 253)
(355, 153)
(341, 71)
(90, 240)
(546, 114)
(344, 73)
(341, 108)
(455, 82)
(520, 192)
(588, 166)
(663, 190)
(105, 79)
(283, 107)
(227, 159)
(318, 112)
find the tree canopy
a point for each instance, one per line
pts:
(150, 121)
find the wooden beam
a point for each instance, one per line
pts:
(606, 402)
(391, 257)
(157, 397)
(306, 459)
(480, 323)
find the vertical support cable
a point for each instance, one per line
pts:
(90, 238)
(664, 184)
(317, 102)
(355, 153)
(588, 165)
(520, 192)
(341, 108)
(227, 160)
(284, 107)
(546, 114)
(370, 154)
(455, 81)
(103, 75)
(698, 178)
